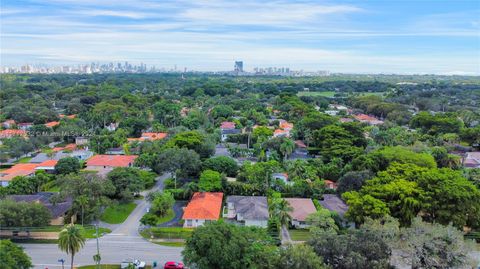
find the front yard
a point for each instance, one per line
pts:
(116, 214)
(299, 234)
(167, 233)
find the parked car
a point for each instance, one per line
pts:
(173, 265)
(138, 264)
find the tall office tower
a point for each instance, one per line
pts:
(238, 66)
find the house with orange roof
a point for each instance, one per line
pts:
(301, 209)
(106, 163)
(203, 207)
(21, 169)
(281, 133)
(48, 165)
(9, 133)
(149, 136)
(368, 119)
(8, 124)
(332, 185)
(285, 125)
(52, 124)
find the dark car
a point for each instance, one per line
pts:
(173, 265)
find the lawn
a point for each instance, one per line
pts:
(329, 94)
(24, 160)
(299, 235)
(167, 232)
(169, 216)
(116, 214)
(171, 244)
(90, 232)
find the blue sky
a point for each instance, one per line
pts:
(407, 36)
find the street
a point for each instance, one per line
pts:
(124, 242)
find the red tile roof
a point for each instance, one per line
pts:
(12, 132)
(227, 125)
(286, 125)
(21, 169)
(47, 163)
(300, 144)
(204, 205)
(52, 124)
(302, 207)
(154, 136)
(111, 160)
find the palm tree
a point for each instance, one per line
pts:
(71, 240)
(287, 147)
(82, 201)
(283, 210)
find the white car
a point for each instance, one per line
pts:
(138, 264)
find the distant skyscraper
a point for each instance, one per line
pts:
(238, 66)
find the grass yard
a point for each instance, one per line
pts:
(299, 235)
(116, 214)
(167, 232)
(90, 232)
(329, 94)
(169, 216)
(171, 244)
(24, 160)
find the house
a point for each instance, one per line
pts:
(21, 169)
(80, 141)
(368, 119)
(247, 210)
(226, 125)
(68, 147)
(227, 132)
(472, 160)
(48, 166)
(149, 136)
(281, 133)
(9, 133)
(204, 207)
(25, 125)
(112, 126)
(106, 163)
(115, 151)
(331, 185)
(333, 203)
(42, 157)
(284, 125)
(344, 120)
(301, 208)
(8, 124)
(228, 128)
(52, 124)
(58, 210)
(283, 177)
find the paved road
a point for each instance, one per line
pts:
(285, 235)
(178, 210)
(124, 242)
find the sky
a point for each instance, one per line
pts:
(365, 36)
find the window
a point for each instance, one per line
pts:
(189, 222)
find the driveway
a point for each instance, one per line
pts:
(124, 242)
(285, 235)
(178, 210)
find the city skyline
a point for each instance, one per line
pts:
(428, 37)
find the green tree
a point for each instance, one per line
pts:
(280, 209)
(126, 181)
(210, 181)
(179, 162)
(71, 240)
(222, 164)
(363, 206)
(22, 214)
(240, 247)
(322, 221)
(161, 203)
(354, 249)
(336, 141)
(67, 165)
(299, 257)
(13, 256)
(353, 180)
